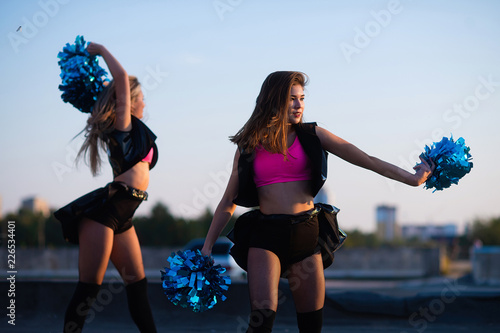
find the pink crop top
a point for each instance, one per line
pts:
(149, 156)
(272, 168)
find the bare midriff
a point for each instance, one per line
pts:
(285, 198)
(136, 177)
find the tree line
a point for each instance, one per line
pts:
(158, 229)
(162, 229)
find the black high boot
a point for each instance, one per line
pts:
(138, 305)
(79, 306)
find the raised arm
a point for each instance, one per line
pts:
(356, 156)
(122, 86)
(224, 210)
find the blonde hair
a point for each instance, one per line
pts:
(268, 124)
(102, 122)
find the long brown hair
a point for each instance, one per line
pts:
(268, 124)
(102, 122)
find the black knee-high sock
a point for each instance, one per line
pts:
(138, 305)
(78, 308)
(310, 322)
(261, 321)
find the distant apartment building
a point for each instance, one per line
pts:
(36, 205)
(430, 232)
(387, 227)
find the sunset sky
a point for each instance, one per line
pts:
(388, 76)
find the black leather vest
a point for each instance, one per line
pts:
(126, 149)
(306, 133)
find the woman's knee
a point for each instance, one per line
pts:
(133, 277)
(90, 276)
(263, 293)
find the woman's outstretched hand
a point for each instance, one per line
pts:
(423, 171)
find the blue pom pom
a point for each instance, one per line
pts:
(452, 160)
(192, 280)
(82, 77)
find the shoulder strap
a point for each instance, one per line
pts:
(309, 128)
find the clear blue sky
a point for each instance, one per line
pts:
(388, 76)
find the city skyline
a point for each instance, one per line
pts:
(388, 76)
(38, 204)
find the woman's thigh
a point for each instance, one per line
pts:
(127, 257)
(263, 278)
(307, 284)
(95, 244)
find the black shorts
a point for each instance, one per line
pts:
(291, 237)
(112, 205)
(117, 212)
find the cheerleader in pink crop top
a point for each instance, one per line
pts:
(280, 237)
(272, 168)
